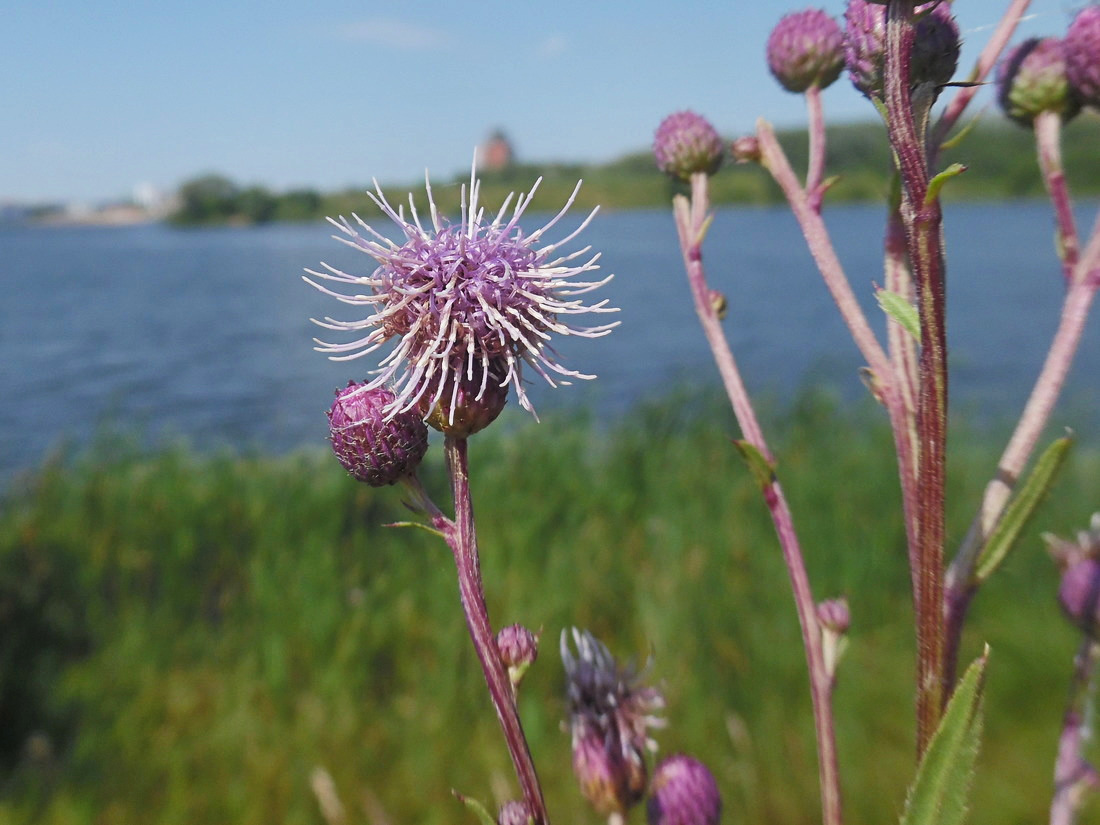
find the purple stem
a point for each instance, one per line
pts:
(461, 537)
(815, 172)
(691, 224)
(1048, 141)
(1073, 776)
(924, 232)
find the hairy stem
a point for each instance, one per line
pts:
(463, 541)
(691, 223)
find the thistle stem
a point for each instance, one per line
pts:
(463, 542)
(815, 172)
(691, 222)
(1072, 774)
(923, 221)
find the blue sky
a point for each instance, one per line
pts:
(101, 96)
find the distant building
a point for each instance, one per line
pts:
(495, 153)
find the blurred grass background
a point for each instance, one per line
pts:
(184, 638)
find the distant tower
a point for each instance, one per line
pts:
(495, 153)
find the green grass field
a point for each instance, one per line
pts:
(185, 638)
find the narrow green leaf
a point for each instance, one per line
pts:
(423, 527)
(901, 310)
(476, 807)
(938, 795)
(762, 469)
(958, 137)
(936, 184)
(1021, 508)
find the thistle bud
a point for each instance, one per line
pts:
(370, 447)
(935, 45)
(834, 618)
(1082, 52)
(686, 143)
(806, 48)
(518, 648)
(684, 793)
(470, 401)
(1079, 589)
(746, 149)
(1032, 79)
(514, 813)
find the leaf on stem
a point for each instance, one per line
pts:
(936, 184)
(901, 310)
(762, 469)
(939, 792)
(424, 527)
(476, 807)
(1021, 508)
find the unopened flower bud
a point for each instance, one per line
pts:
(746, 149)
(470, 401)
(935, 45)
(1079, 589)
(834, 618)
(370, 447)
(806, 48)
(686, 143)
(518, 648)
(1032, 79)
(1082, 51)
(684, 793)
(514, 812)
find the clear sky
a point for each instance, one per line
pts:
(100, 96)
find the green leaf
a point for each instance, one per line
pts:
(936, 184)
(1021, 508)
(476, 807)
(762, 469)
(423, 527)
(901, 310)
(939, 792)
(958, 138)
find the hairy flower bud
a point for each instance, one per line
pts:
(935, 52)
(518, 648)
(686, 143)
(370, 446)
(684, 793)
(806, 48)
(1082, 52)
(1032, 79)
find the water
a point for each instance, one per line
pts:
(205, 333)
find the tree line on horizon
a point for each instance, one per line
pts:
(999, 159)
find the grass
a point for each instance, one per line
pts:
(184, 638)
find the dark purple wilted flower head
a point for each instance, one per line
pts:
(1079, 590)
(370, 446)
(684, 793)
(686, 143)
(806, 48)
(1032, 79)
(1082, 50)
(610, 712)
(935, 45)
(468, 304)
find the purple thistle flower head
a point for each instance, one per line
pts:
(466, 305)
(1079, 589)
(1082, 51)
(806, 48)
(684, 793)
(935, 45)
(1032, 79)
(610, 712)
(371, 447)
(686, 143)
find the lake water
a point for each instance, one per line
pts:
(205, 333)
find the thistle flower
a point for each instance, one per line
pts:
(610, 712)
(371, 447)
(686, 143)
(684, 793)
(467, 305)
(806, 48)
(935, 52)
(1032, 79)
(1082, 52)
